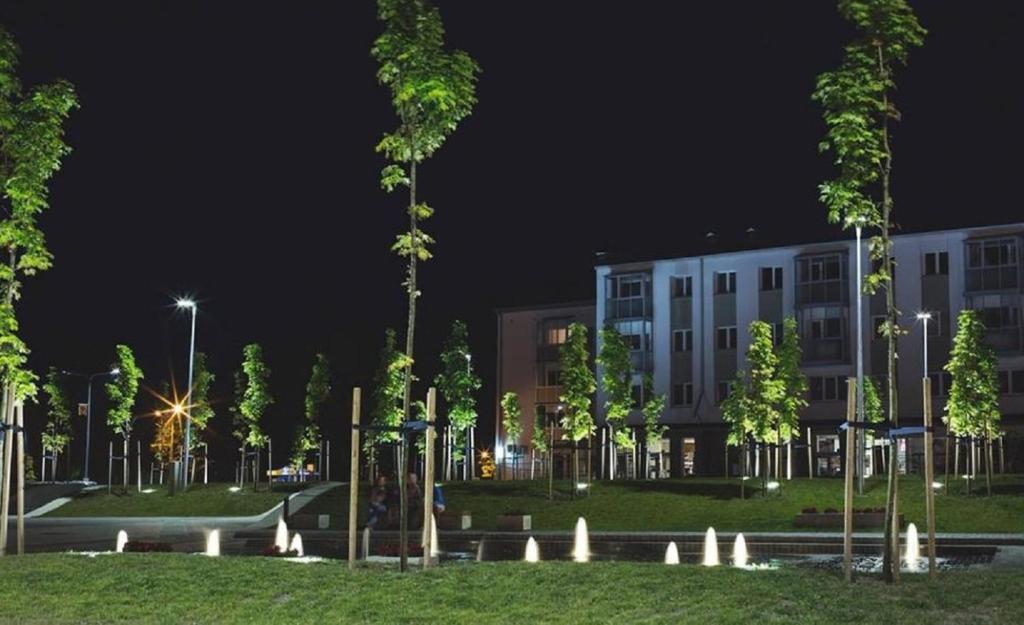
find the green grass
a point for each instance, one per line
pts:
(179, 588)
(693, 504)
(199, 500)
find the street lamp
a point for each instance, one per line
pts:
(188, 304)
(925, 317)
(858, 224)
(89, 377)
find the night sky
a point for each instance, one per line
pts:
(225, 150)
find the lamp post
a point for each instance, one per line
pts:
(860, 436)
(188, 304)
(89, 377)
(924, 317)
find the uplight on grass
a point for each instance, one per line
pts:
(234, 489)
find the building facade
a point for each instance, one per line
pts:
(686, 320)
(529, 344)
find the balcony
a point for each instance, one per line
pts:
(823, 350)
(992, 279)
(548, 394)
(642, 361)
(628, 308)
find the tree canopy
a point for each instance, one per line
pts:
(616, 381)
(973, 405)
(252, 397)
(122, 391)
(578, 384)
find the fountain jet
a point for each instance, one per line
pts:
(281, 537)
(296, 545)
(672, 553)
(532, 551)
(913, 553)
(581, 544)
(213, 543)
(710, 548)
(435, 545)
(122, 540)
(739, 552)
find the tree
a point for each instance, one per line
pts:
(168, 437)
(318, 391)
(793, 385)
(511, 423)
(539, 436)
(765, 390)
(31, 148)
(199, 410)
(859, 108)
(578, 386)
(653, 408)
(617, 382)
(386, 399)
(252, 397)
(458, 383)
(972, 409)
(736, 413)
(57, 433)
(432, 90)
(122, 392)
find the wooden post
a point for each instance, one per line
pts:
(328, 471)
(110, 466)
(945, 462)
(353, 489)
(19, 408)
(929, 474)
(810, 455)
(5, 472)
(1002, 455)
(138, 464)
(270, 465)
(851, 407)
(428, 479)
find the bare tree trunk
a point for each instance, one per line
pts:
(988, 463)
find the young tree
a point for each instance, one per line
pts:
(539, 436)
(458, 383)
(793, 383)
(765, 390)
(511, 422)
(252, 398)
(736, 413)
(432, 90)
(617, 382)
(578, 386)
(653, 408)
(122, 391)
(859, 109)
(200, 411)
(972, 409)
(386, 399)
(31, 148)
(318, 391)
(168, 437)
(57, 433)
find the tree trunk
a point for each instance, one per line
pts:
(743, 472)
(988, 463)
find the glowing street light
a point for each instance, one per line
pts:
(187, 303)
(88, 411)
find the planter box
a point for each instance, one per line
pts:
(309, 521)
(453, 520)
(514, 522)
(834, 520)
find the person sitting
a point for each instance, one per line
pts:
(378, 507)
(438, 499)
(414, 499)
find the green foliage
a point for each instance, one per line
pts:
(318, 391)
(386, 403)
(252, 397)
(31, 148)
(736, 410)
(765, 389)
(792, 380)
(457, 381)
(653, 408)
(973, 405)
(511, 412)
(122, 391)
(873, 411)
(578, 384)
(539, 439)
(168, 437)
(200, 411)
(57, 433)
(616, 380)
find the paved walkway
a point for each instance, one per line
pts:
(183, 533)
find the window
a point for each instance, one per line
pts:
(828, 328)
(682, 286)
(682, 340)
(722, 392)
(550, 375)
(727, 337)
(682, 394)
(821, 279)
(935, 323)
(778, 332)
(637, 334)
(942, 381)
(554, 331)
(629, 287)
(1011, 382)
(637, 394)
(936, 264)
(771, 278)
(725, 282)
(992, 265)
(828, 388)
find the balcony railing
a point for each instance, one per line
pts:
(628, 308)
(823, 292)
(992, 279)
(823, 350)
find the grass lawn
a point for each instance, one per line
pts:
(696, 503)
(199, 500)
(178, 588)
